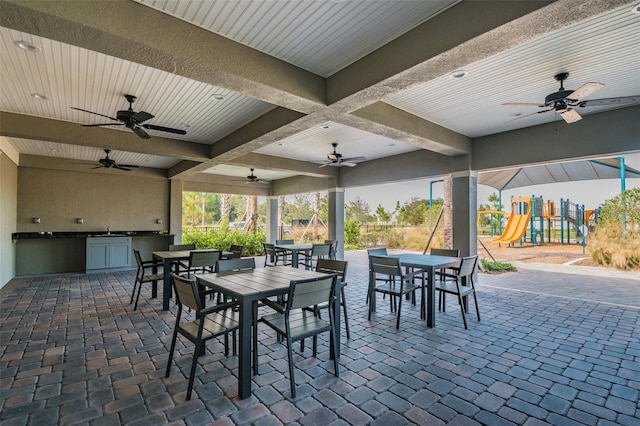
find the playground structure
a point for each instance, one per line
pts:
(534, 220)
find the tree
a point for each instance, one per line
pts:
(494, 200)
(383, 215)
(358, 211)
(414, 212)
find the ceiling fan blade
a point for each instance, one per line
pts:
(323, 165)
(164, 129)
(624, 100)
(570, 115)
(141, 133)
(585, 90)
(348, 164)
(141, 116)
(352, 159)
(527, 115)
(126, 165)
(91, 112)
(523, 104)
(104, 124)
(119, 167)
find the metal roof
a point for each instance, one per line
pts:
(608, 168)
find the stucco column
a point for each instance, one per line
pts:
(464, 188)
(336, 219)
(272, 219)
(175, 210)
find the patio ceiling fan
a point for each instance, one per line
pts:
(565, 101)
(336, 159)
(108, 163)
(133, 120)
(252, 178)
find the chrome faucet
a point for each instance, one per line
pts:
(108, 231)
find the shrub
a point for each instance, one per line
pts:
(223, 238)
(616, 240)
(497, 266)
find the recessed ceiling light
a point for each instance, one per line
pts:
(25, 45)
(458, 74)
(636, 9)
(218, 96)
(391, 144)
(324, 126)
(40, 96)
(280, 143)
(515, 114)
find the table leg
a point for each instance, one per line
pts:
(294, 258)
(154, 284)
(244, 349)
(431, 299)
(166, 284)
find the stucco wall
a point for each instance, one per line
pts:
(8, 211)
(121, 202)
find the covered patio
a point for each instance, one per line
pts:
(552, 347)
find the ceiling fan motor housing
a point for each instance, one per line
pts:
(557, 96)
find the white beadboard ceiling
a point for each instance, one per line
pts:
(319, 36)
(604, 49)
(322, 37)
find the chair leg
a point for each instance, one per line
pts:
(475, 300)
(138, 296)
(464, 318)
(135, 284)
(399, 309)
(192, 375)
(173, 347)
(292, 379)
(346, 318)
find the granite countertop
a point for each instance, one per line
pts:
(51, 235)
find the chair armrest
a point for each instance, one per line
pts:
(219, 307)
(273, 305)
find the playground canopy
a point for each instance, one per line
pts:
(608, 168)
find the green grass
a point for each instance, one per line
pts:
(497, 266)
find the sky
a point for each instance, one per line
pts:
(590, 193)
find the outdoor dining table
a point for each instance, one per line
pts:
(248, 287)
(429, 264)
(295, 250)
(168, 259)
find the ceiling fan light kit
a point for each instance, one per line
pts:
(565, 101)
(133, 120)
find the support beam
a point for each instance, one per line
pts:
(412, 129)
(143, 35)
(609, 133)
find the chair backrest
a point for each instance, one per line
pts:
(136, 254)
(321, 249)
(311, 292)
(181, 247)
(200, 259)
(285, 241)
(467, 266)
(269, 249)
(236, 250)
(381, 251)
(445, 252)
(330, 266)
(385, 265)
(236, 264)
(334, 247)
(186, 291)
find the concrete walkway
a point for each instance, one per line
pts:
(551, 348)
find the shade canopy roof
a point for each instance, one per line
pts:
(608, 168)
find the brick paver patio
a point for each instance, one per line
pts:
(552, 348)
